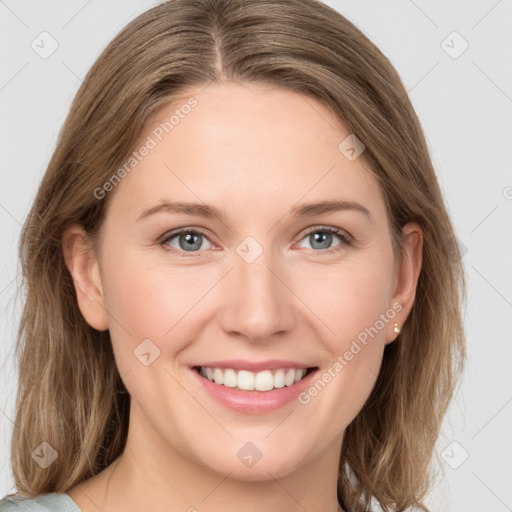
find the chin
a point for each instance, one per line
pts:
(250, 463)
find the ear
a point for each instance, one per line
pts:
(407, 272)
(83, 266)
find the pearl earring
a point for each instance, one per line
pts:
(396, 329)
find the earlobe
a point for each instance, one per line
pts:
(83, 267)
(407, 274)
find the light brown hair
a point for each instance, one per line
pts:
(70, 393)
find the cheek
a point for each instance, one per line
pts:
(155, 301)
(348, 298)
(357, 309)
(352, 307)
(361, 298)
(151, 298)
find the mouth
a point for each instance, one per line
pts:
(261, 381)
(261, 391)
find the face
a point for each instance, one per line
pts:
(266, 285)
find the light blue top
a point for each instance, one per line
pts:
(50, 502)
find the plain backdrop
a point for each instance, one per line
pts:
(455, 59)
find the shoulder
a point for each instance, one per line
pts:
(50, 502)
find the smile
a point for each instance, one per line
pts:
(253, 391)
(265, 380)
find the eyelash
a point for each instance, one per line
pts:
(346, 239)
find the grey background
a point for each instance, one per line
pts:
(465, 105)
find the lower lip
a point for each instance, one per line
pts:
(254, 402)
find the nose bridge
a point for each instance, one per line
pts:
(260, 304)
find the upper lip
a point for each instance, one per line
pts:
(253, 366)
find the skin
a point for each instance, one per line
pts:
(254, 152)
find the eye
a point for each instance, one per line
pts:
(191, 241)
(186, 240)
(321, 237)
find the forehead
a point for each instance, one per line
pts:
(251, 147)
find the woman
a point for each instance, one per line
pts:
(241, 285)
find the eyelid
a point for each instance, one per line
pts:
(187, 229)
(346, 238)
(342, 233)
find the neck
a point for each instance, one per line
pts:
(152, 475)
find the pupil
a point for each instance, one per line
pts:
(191, 239)
(323, 238)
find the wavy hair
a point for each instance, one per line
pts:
(70, 393)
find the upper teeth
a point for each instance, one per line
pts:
(260, 381)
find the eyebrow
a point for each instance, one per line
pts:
(207, 211)
(305, 210)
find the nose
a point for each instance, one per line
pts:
(258, 303)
